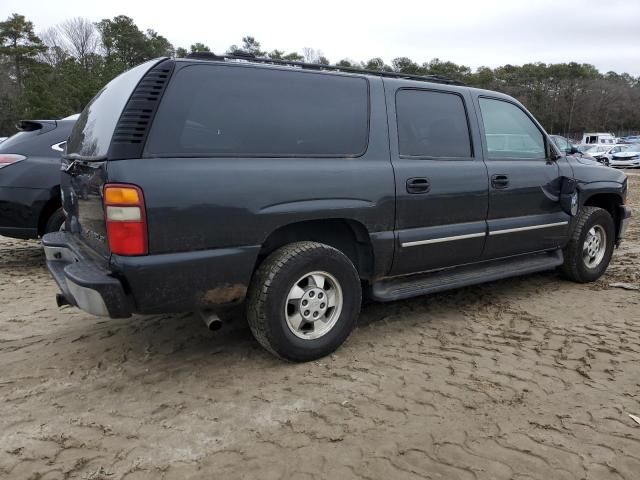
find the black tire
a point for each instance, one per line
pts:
(268, 292)
(55, 221)
(574, 267)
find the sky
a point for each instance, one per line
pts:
(474, 33)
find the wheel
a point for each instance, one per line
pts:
(588, 253)
(304, 301)
(55, 222)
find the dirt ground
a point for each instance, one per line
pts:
(527, 378)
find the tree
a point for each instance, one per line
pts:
(125, 45)
(80, 39)
(181, 52)
(345, 62)
(376, 64)
(249, 45)
(199, 47)
(406, 65)
(19, 43)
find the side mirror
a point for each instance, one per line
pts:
(572, 150)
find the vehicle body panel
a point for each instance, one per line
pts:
(452, 210)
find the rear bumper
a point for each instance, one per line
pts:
(83, 282)
(150, 284)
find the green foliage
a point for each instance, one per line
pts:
(126, 45)
(58, 74)
(19, 45)
(249, 45)
(199, 47)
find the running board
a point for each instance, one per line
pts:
(411, 286)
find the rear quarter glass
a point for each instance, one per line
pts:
(91, 136)
(236, 110)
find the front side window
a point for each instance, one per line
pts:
(509, 132)
(217, 110)
(432, 125)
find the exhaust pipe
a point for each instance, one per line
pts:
(211, 320)
(61, 300)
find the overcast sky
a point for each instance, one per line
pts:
(490, 32)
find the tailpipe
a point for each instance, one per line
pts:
(211, 320)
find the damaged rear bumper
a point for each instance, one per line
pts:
(83, 282)
(147, 284)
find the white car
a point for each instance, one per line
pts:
(627, 157)
(604, 153)
(2, 139)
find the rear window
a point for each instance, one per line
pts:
(91, 135)
(432, 125)
(218, 110)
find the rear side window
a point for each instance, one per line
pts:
(509, 132)
(432, 124)
(216, 110)
(91, 135)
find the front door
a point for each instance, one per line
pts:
(524, 210)
(441, 180)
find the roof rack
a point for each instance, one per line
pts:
(249, 57)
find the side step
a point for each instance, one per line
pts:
(411, 286)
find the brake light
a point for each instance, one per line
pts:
(10, 158)
(126, 220)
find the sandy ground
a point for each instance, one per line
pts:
(526, 378)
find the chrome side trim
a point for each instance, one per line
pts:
(531, 227)
(58, 147)
(442, 239)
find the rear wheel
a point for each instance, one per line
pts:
(588, 253)
(55, 222)
(304, 301)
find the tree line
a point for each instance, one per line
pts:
(56, 72)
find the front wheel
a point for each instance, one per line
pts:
(588, 253)
(304, 301)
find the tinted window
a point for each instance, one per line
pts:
(509, 132)
(432, 124)
(91, 135)
(226, 110)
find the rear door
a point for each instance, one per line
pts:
(441, 181)
(524, 210)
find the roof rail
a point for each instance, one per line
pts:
(249, 57)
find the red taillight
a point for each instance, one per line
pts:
(126, 220)
(9, 158)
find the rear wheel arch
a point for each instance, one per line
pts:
(349, 236)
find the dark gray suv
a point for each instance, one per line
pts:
(193, 184)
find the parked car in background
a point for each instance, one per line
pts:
(631, 139)
(565, 145)
(628, 156)
(604, 153)
(598, 139)
(30, 200)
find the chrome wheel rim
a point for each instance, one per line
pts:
(594, 247)
(313, 305)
